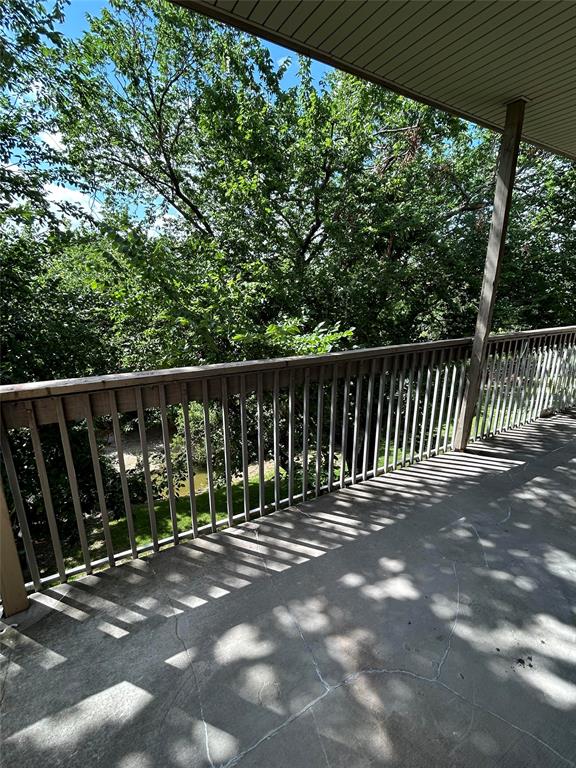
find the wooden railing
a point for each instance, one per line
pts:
(282, 431)
(526, 375)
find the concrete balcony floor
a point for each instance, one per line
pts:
(425, 618)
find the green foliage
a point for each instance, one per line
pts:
(53, 324)
(60, 489)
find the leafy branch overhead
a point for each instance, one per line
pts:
(242, 207)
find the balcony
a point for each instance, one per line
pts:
(373, 599)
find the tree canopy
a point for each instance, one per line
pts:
(237, 212)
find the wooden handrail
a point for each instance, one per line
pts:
(62, 387)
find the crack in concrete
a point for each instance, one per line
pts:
(453, 629)
(350, 679)
(473, 527)
(291, 615)
(186, 650)
(508, 723)
(468, 729)
(347, 680)
(377, 671)
(353, 677)
(508, 513)
(320, 739)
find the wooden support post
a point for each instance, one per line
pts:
(14, 598)
(507, 159)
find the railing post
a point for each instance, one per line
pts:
(507, 160)
(12, 589)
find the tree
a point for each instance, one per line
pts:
(245, 218)
(27, 160)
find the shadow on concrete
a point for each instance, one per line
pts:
(424, 618)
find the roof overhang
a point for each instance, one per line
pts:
(469, 57)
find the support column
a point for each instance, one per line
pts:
(506, 173)
(12, 590)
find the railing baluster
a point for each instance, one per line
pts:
(507, 380)
(543, 378)
(276, 438)
(208, 449)
(535, 363)
(559, 393)
(260, 415)
(244, 438)
(520, 381)
(513, 385)
(291, 417)
(571, 387)
(494, 390)
(379, 417)
(146, 468)
(571, 373)
(490, 390)
(305, 430)
(319, 431)
(454, 369)
(73, 482)
(14, 486)
(503, 363)
(227, 461)
(46, 494)
(344, 440)
(525, 378)
(389, 416)
(556, 398)
(566, 373)
(416, 407)
(554, 374)
(569, 376)
(437, 374)
(98, 479)
(356, 430)
(560, 341)
(537, 355)
(495, 383)
(570, 398)
(408, 410)
(553, 368)
(482, 397)
(524, 405)
(565, 401)
(429, 367)
(168, 462)
(123, 476)
(461, 385)
(398, 415)
(189, 459)
(333, 395)
(442, 401)
(368, 421)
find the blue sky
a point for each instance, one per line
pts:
(76, 22)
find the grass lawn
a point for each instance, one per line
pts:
(119, 527)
